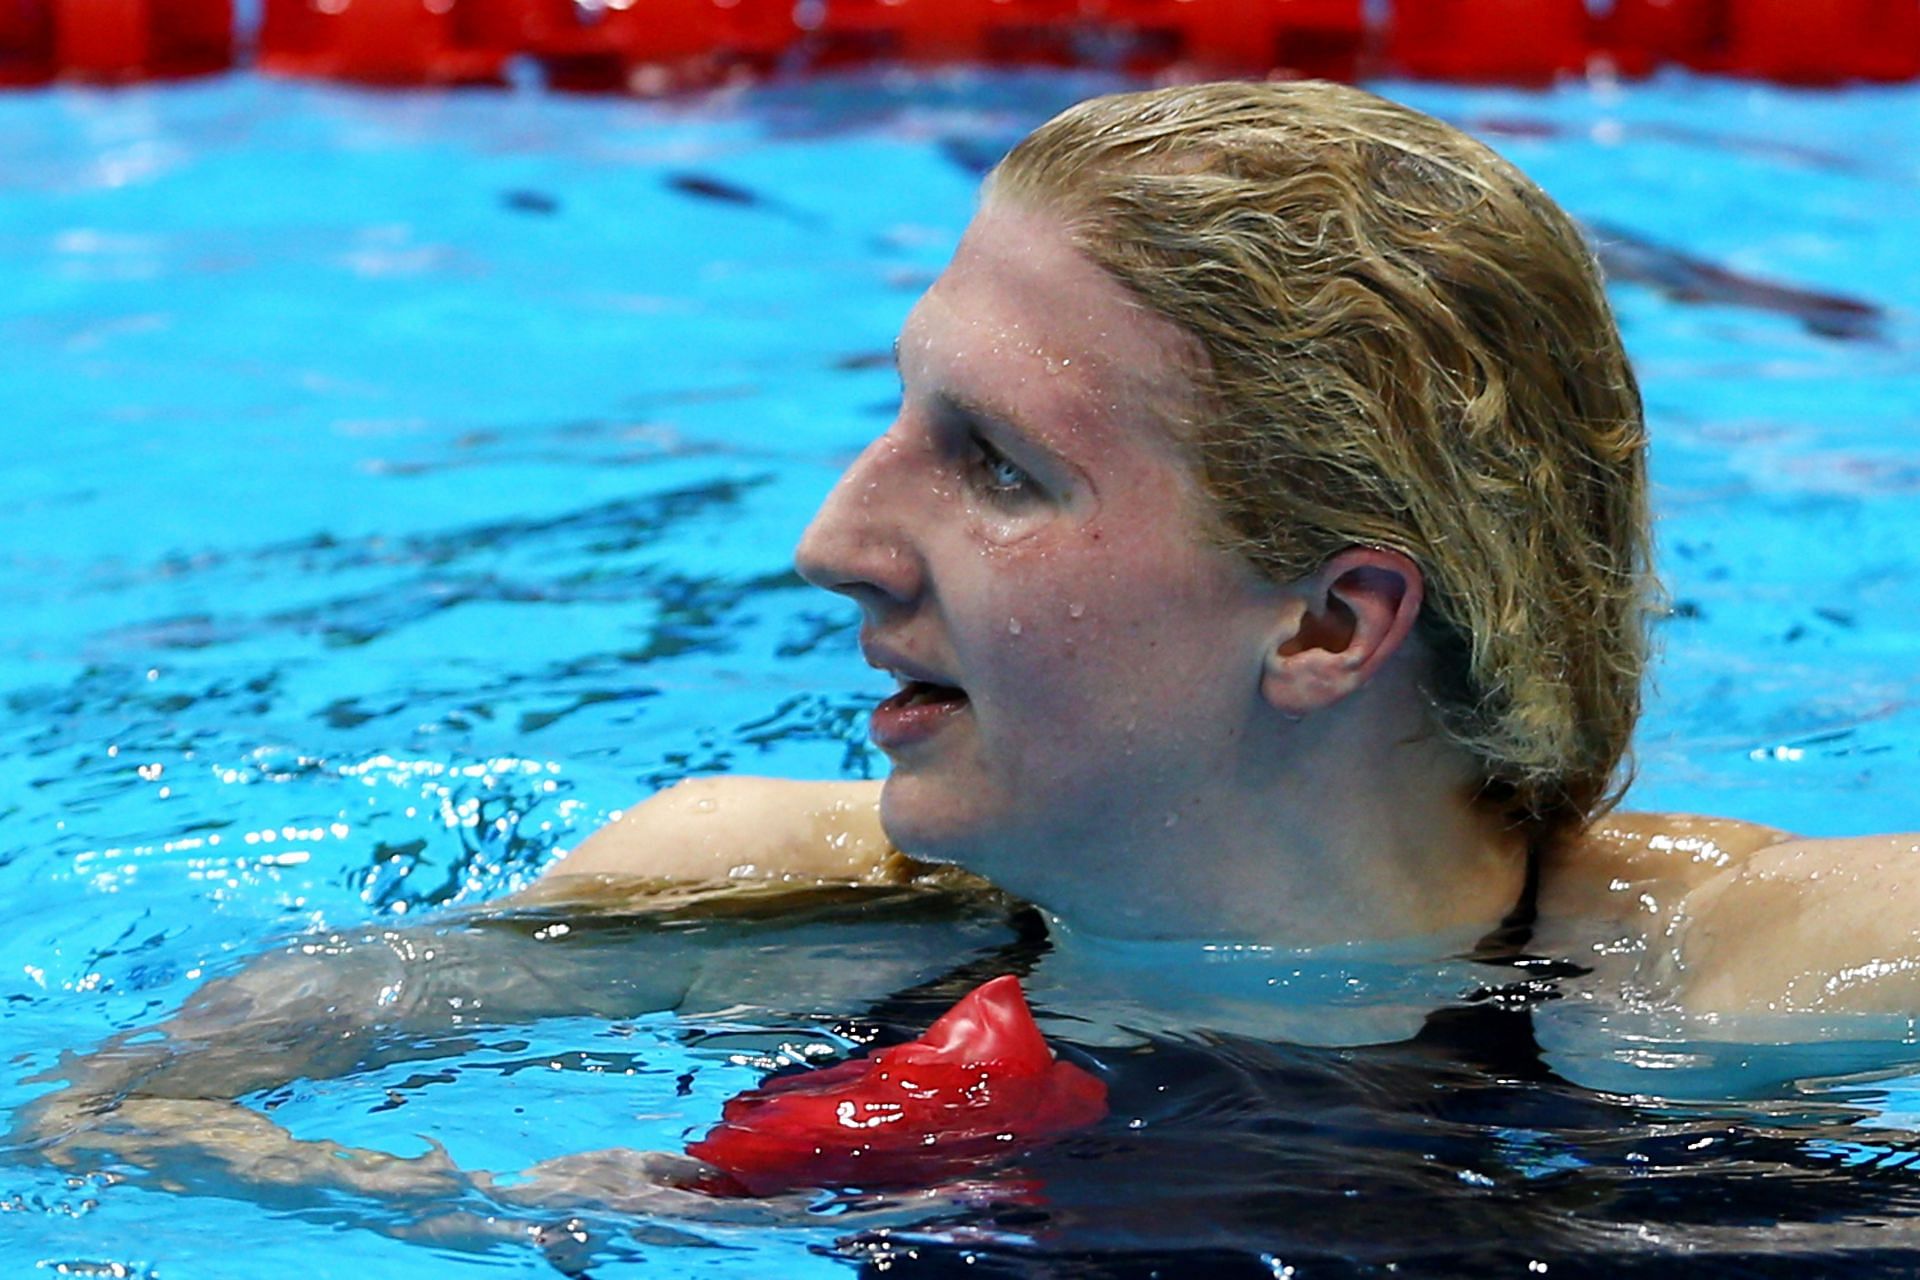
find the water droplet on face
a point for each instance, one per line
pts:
(1013, 626)
(1076, 610)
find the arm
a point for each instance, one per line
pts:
(333, 1006)
(163, 1099)
(730, 829)
(327, 1005)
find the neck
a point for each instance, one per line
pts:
(1369, 833)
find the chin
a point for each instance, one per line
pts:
(954, 827)
(936, 824)
(918, 824)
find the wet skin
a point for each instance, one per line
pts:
(1104, 713)
(1027, 532)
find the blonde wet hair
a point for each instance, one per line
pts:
(1406, 346)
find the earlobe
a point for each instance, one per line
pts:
(1342, 623)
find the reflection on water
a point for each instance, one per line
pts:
(1629, 258)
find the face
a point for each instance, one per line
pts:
(1080, 668)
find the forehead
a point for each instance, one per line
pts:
(1020, 301)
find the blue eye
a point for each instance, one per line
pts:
(999, 476)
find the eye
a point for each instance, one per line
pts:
(998, 476)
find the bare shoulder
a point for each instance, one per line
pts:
(1807, 925)
(1756, 919)
(710, 830)
(1617, 863)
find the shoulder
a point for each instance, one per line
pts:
(710, 830)
(1623, 859)
(1807, 925)
(1752, 918)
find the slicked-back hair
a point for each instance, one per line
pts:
(1406, 346)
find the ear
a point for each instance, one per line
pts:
(1345, 620)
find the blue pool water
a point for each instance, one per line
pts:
(398, 484)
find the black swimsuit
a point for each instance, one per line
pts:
(1494, 1014)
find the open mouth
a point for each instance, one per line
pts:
(920, 710)
(922, 693)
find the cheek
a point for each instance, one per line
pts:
(1043, 593)
(1068, 629)
(1148, 625)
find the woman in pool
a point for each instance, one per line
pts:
(1262, 549)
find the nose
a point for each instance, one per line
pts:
(859, 542)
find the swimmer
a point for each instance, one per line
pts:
(1262, 551)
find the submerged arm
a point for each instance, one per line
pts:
(587, 939)
(164, 1098)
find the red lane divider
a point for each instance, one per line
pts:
(1890, 41)
(1826, 43)
(652, 46)
(109, 41)
(1641, 35)
(1297, 37)
(640, 45)
(655, 45)
(1791, 41)
(396, 42)
(1504, 41)
(979, 1086)
(26, 43)
(904, 30)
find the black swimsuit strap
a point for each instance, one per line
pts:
(1508, 939)
(1493, 1026)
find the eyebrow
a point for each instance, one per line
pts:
(1047, 463)
(981, 416)
(971, 408)
(1025, 439)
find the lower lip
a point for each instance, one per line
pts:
(899, 722)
